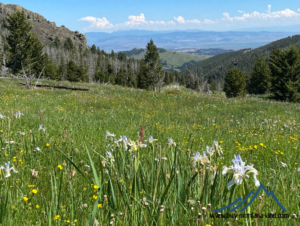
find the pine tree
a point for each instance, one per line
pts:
(50, 70)
(131, 82)
(33, 58)
(260, 81)
(56, 42)
(113, 55)
(154, 66)
(69, 44)
(143, 76)
(285, 69)
(235, 83)
(19, 31)
(94, 49)
(74, 72)
(121, 77)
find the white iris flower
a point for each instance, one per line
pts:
(7, 169)
(240, 172)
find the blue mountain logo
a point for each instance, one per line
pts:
(248, 196)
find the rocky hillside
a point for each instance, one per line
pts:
(45, 30)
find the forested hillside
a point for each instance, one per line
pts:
(171, 60)
(244, 59)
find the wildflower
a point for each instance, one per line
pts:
(41, 127)
(100, 205)
(110, 156)
(216, 148)
(108, 134)
(22, 133)
(25, 199)
(240, 172)
(209, 151)
(133, 146)
(34, 191)
(273, 170)
(34, 173)
(255, 146)
(95, 196)
(171, 142)
(60, 167)
(47, 144)
(7, 169)
(9, 142)
(164, 158)
(96, 187)
(2, 116)
(56, 217)
(197, 157)
(283, 164)
(18, 114)
(37, 149)
(151, 140)
(37, 206)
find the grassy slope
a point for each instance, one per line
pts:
(264, 133)
(176, 59)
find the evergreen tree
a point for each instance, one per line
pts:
(122, 56)
(50, 70)
(131, 82)
(121, 77)
(101, 76)
(111, 73)
(143, 76)
(113, 55)
(93, 49)
(74, 72)
(154, 66)
(235, 83)
(19, 31)
(260, 81)
(56, 42)
(285, 69)
(69, 44)
(33, 58)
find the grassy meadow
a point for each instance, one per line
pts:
(69, 172)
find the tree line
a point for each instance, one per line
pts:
(22, 52)
(279, 75)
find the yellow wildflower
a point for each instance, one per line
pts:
(34, 191)
(60, 167)
(56, 217)
(25, 199)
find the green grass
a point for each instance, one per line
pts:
(139, 190)
(172, 58)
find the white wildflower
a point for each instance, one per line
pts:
(7, 169)
(171, 142)
(240, 172)
(18, 114)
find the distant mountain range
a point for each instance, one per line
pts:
(127, 40)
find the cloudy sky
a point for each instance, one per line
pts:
(217, 15)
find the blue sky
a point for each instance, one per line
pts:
(112, 15)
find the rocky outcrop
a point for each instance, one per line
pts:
(45, 30)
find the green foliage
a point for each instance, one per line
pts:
(69, 44)
(33, 58)
(50, 70)
(235, 83)
(285, 68)
(56, 42)
(260, 81)
(244, 59)
(143, 76)
(19, 35)
(154, 66)
(93, 49)
(122, 56)
(101, 76)
(75, 73)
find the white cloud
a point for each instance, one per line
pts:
(180, 19)
(206, 21)
(136, 20)
(278, 15)
(97, 22)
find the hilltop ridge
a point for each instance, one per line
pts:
(45, 30)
